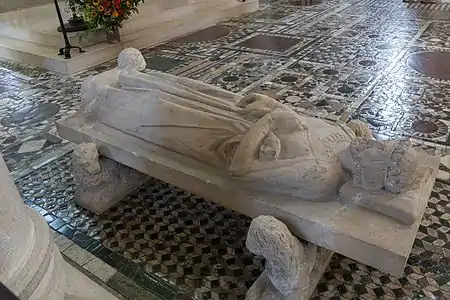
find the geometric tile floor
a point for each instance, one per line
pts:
(198, 246)
(336, 59)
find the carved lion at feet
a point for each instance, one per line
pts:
(101, 182)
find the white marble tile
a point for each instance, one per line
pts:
(62, 242)
(445, 160)
(442, 175)
(31, 146)
(100, 269)
(78, 254)
(81, 287)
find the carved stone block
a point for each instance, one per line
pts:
(102, 182)
(293, 268)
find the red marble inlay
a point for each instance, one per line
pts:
(432, 64)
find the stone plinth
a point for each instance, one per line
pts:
(31, 265)
(360, 234)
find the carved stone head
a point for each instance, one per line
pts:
(86, 156)
(131, 59)
(393, 166)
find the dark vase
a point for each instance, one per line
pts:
(113, 35)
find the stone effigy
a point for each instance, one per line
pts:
(326, 181)
(31, 266)
(261, 143)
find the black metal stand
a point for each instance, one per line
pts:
(74, 24)
(66, 50)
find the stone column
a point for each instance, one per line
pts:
(31, 266)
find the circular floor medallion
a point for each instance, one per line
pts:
(425, 126)
(431, 64)
(367, 63)
(230, 78)
(345, 89)
(250, 65)
(330, 72)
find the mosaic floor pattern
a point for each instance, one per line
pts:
(199, 247)
(336, 59)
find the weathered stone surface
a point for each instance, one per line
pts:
(386, 177)
(251, 154)
(31, 265)
(102, 182)
(293, 268)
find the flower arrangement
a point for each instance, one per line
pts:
(108, 14)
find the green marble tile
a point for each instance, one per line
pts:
(162, 63)
(130, 290)
(95, 248)
(155, 284)
(82, 239)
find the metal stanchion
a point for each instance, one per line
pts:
(65, 50)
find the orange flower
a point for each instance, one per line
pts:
(94, 14)
(101, 8)
(115, 14)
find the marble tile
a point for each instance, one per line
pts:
(62, 242)
(31, 146)
(100, 269)
(78, 254)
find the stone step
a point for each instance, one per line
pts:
(48, 58)
(190, 22)
(38, 24)
(46, 55)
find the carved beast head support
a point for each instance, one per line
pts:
(86, 156)
(284, 253)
